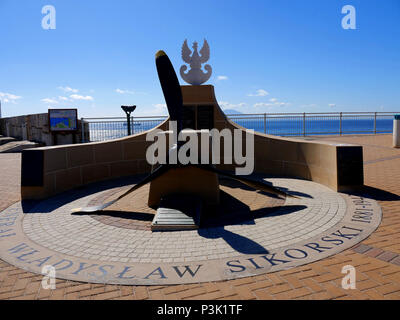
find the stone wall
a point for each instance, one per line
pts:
(336, 165)
(50, 170)
(35, 127)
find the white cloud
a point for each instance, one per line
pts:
(274, 104)
(273, 99)
(124, 91)
(62, 98)
(79, 97)
(68, 89)
(49, 100)
(9, 97)
(121, 91)
(159, 109)
(259, 93)
(222, 78)
(263, 104)
(332, 105)
(160, 106)
(227, 105)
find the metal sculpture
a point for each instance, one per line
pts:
(173, 98)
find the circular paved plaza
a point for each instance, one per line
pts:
(250, 233)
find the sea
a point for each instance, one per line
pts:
(293, 126)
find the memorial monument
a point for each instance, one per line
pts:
(251, 232)
(199, 180)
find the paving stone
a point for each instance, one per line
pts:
(361, 248)
(387, 256)
(396, 261)
(374, 252)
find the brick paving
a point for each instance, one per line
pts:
(376, 259)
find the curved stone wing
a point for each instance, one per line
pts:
(205, 52)
(186, 52)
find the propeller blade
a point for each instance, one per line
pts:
(170, 87)
(257, 185)
(173, 97)
(155, 174)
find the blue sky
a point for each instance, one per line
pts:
(266, 55)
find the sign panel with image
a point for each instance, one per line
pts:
(63, 120)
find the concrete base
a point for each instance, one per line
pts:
(186, 181)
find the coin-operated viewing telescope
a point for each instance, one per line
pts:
(128, 110)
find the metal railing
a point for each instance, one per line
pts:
(101, 129)
(305, 124)
(281, 124)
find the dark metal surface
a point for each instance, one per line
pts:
(128, 110)
(32, 168)
(170, 87)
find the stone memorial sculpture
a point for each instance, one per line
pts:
(173, 98)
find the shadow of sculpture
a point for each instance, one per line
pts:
(55, 202)
(232, 211)
(141, 216)
(374, 193)
(215, 219)
(252, 215)
(235, 184)
(259, 177)
(236, 241)
(214, 229)
(296, 193)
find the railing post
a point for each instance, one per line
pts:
(340, 124)
(82, 131)
(265, 123)
(375, 123)
(133, 125)
(304, 123)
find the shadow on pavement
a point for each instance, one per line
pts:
(129, 215)
(376, 194)
(236, 184)
(237, 242)
(53, 203)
